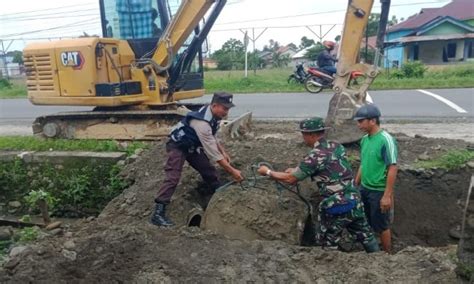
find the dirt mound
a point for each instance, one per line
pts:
(121, 246)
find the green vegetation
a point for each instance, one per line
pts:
(275, 80)
(74, 191)
(28, 234)
(11, 90)
(31, 143)
(4, 246)
(451, 160)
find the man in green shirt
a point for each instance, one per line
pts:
(377, 172)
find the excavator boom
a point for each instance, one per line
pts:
(348, 98)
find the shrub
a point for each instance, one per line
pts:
(414, 69)
(5, 84)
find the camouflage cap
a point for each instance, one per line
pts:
(313, 124)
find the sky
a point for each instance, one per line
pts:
(25, 21)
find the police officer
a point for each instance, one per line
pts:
(377, 172)
(340, 207)
(193, 139)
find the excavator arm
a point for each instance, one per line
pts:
(347, 99)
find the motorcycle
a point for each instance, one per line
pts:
(317, 80)
(299, 75)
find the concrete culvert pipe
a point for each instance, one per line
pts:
(195, 217)
(257, 214)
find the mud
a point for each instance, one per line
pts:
(121, 246)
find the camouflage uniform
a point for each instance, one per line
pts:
(341, 206)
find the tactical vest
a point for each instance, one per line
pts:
(185, 136)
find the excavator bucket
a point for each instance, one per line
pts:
(237, 127)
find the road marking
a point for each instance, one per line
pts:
(369, 98)
(446, 101)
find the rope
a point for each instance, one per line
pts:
(252, 182)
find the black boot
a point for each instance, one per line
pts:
(159, 216)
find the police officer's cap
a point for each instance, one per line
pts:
(224, 99)
(367, 111)
(313, 124)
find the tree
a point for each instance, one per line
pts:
(313, 52)
(272, 47)
(373, 24)
(255, 62)
(230, 56)
(337, 38)
(374, 20)
(280, 60)
(306, 42)
(17, 56)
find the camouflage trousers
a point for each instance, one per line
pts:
(331, 227)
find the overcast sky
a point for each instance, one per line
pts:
(27, 20)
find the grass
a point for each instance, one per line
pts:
(451, 160)
(275, 81)
(31, 143)
(14, 88)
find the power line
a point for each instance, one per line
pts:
(50, 9)
(48, 29)
(275, 27)
(53, 17)
(324, 12)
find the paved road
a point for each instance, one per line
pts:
(426, 105)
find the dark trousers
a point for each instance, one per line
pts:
(174, 167)
(329, 69)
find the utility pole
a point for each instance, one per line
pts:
(382, 26)
(4, 56)
(320, 35)
(253, 39)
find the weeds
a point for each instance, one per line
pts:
(451, 160)
(28, 234)
(73, 191)
(31, 143)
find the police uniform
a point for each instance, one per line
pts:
(341, 206)
(189, 141)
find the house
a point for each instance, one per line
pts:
(435, 36)
(283, 51)
(209, 63)
(300, 57)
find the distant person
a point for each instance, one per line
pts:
(377, 172)
(194, 140)
(156, 31)
(109, 31)
(326, 61)
(341, 207)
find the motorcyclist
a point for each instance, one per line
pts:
(326, 60)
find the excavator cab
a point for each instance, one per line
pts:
(141, 23)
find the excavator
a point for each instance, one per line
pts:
(149, 59)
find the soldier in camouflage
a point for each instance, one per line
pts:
(341, 207)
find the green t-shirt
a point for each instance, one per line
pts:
(378, 151)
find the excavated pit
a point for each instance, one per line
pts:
(251, 234)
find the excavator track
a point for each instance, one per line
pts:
(110, 124)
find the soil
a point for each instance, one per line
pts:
(121, 246)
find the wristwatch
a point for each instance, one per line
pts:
(269, 173)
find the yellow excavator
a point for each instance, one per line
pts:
(150, 58)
